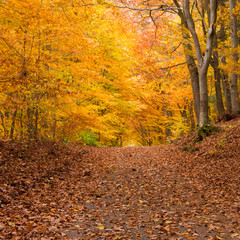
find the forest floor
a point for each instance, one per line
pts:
(50, 191)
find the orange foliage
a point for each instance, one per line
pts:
(70, 68)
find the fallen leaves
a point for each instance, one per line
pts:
(170, 194)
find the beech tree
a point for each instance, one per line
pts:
(203, 56)
(234, 45)
(64, 70)
(202, 59)
(112, 69)
(222, 37)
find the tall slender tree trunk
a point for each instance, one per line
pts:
(30, 127)
(21, 124)
(54, 125)
(217, 84)
(203, 61)
(192, 116)
(227, 93)
(3, 124)
(13, 124)
(234, 45)
(214, 62)
(203, 115)
(224, 74)
(193, 71)
(192, 67)
(36, 123)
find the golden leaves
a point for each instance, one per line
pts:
(69, 66)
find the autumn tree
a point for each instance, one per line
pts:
(234, 45)
(203, 52)
(61, 69)
(111, 70)
(203, 61)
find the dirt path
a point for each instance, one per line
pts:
(145, 193)
(48, 191)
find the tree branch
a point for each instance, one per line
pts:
(176, 65)
(11, 47)
(211, 32)
(163, 7)
(192, 29)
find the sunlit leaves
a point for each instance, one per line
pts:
(91, 66)
(68, 62)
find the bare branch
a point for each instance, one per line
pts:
(163, 7)
(211, 32)
(176, 48)
(150, 14)
(176, 65)
(30, 53)
(179, 12)
(192, 29)
(11, 46)
(160, 8)
(204, 27)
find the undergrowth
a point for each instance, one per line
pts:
(206, 130)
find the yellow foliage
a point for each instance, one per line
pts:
(69, 67)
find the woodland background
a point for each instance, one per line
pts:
(112, 73)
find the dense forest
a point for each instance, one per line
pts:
(117, 73)
(91, 92)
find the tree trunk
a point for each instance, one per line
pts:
(217, 84)
(222, 36)
(203, 62)
(21, 124)
(234, 45)
(227, 93)
(13, 124)
(203, 115)
(36, 123)
(192, 68)
(192, 116)
(3, 124)
(168, 131)
(30, 127)
(54, 125)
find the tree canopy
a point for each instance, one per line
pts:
(116, 73)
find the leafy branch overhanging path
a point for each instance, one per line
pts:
(52, 192)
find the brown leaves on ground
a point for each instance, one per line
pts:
(48, 191)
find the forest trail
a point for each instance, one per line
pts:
(160, 192)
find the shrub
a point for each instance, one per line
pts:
(88, 138)
(206, 130)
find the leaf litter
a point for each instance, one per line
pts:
(50, 191)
